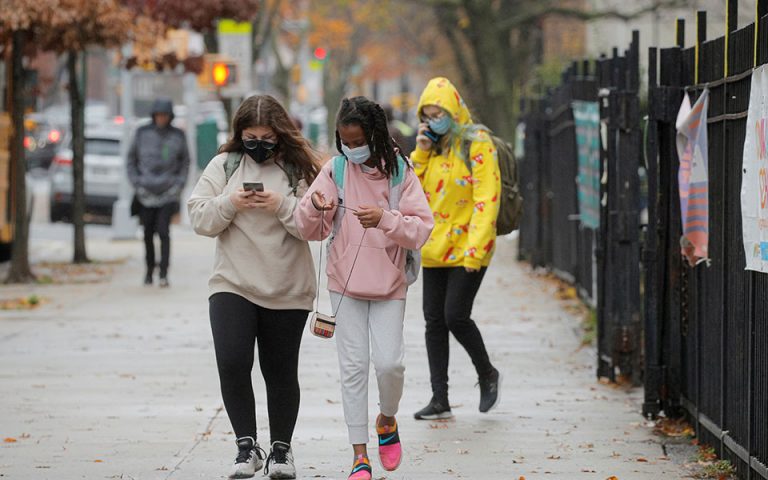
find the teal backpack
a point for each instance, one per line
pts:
(338, 173)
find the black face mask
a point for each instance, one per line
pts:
(259, 150)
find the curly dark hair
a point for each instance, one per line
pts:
(293, 148)
(371, 118)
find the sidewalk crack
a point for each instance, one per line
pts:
(197, 441)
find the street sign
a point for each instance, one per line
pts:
(235, 43)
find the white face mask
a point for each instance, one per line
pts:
(358, 155)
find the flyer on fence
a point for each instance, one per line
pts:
(754, 180)
(693, 177)
(586, 116)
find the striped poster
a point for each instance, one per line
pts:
(586, 116)
(693, 177)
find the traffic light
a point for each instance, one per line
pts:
(319, 55)
(224, 74)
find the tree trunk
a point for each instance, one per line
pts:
(20, 271)
(333, 94)
(77, 107)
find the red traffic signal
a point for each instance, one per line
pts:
(320, 53)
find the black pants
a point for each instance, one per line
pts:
(157, 220)
(448, 297)
(237, 326)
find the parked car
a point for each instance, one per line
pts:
(41, 141)
(104, 170)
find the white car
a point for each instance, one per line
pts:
(104, 171)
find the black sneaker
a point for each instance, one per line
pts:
(148, 278)
(489, 391)
(436, 410)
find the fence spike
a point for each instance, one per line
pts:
(680, 32)
(701, 37)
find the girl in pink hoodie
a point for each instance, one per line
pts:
(367, 254)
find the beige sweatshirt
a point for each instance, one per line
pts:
(259, 255)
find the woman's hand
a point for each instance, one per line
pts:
(369, 216)
(319, 201)
(241, 199)
(267, 200)
(422, 141)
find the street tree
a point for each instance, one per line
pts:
(362, 39)
(19, 19)
(496, 45)
(73, 27)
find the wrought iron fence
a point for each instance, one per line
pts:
(700, 341)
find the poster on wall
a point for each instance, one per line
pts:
(693, 177)
(586, 116)
(754, 179)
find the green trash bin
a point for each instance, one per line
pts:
(207, 144)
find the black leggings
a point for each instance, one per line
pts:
(157, 220)
(237, 326)
(448, 297)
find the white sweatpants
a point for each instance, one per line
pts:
(365, 331)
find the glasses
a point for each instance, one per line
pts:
(251, 143)
(436, 116)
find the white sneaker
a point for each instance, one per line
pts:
(250, 458)
(280, 462)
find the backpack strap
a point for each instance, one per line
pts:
(396, 183)
(338, 173)
(466, 147)
(231, 164)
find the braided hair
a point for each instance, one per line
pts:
(371, 118)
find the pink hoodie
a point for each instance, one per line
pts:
(379, 272)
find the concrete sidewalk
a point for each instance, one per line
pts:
(115, 380)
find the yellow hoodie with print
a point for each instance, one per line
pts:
(464, 204)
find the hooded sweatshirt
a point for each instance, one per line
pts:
(158, 160)
(259, 255)
(464, 204)
(379, 272)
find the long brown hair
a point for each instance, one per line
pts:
(293, 148)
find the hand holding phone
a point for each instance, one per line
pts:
(426, 137)
(253, 186)
(431, 135)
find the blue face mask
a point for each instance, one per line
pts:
(442, 125)
(357, 155)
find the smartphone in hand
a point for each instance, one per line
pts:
(253, 186)
(431, 135)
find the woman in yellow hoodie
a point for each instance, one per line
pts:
(457, 164)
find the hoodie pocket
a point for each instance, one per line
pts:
(373, 275)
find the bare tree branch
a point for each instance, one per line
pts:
(545, 9)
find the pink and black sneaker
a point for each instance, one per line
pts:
(390, 449)
(361, 469)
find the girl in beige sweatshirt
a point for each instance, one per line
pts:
(263, 282)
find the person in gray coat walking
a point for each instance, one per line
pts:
(158, 163)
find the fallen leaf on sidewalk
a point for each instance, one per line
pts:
(553, 457)
(588, 470)
(612, 477)
(9, 440)
(21, 303)
(98, 461)
(641, 459)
